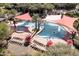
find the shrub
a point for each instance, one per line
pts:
(72, 14)
(4, 33)
(1, 51)
(60, 50)
(3, 30)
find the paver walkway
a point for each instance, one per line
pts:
(19, 50)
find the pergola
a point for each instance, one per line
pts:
(25, 17)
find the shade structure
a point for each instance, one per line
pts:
(25, 17)
(67, 21)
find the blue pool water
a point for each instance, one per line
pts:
(26, 25)
(52, 30)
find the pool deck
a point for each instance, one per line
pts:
(56, 41)
(37, 38)
(44, 41)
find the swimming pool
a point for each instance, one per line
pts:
(52, 30)
(25, 25)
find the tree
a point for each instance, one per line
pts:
(7, 8)
(66, 6)
(35, 19)
(77, 7)
(35, 8)
(76, 24)
(4, 33)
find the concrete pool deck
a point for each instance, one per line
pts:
(44, 40)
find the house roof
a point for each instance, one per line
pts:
(25, 17)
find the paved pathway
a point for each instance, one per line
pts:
(19, 50)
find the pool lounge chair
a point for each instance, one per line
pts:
(38, 46)
(39, 43)
(19, 37)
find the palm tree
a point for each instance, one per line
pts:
(39, 22)
(14, 22)
(35, 19)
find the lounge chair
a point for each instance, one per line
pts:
(19, 37)
(39, 43)
(40, 46)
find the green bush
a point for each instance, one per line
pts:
(3, 30)
(72, 14)
(4, 33)
(1, 51)
(76, 40)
